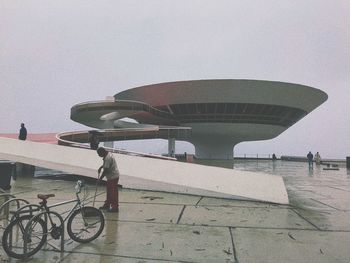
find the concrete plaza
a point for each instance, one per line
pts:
(165, 227)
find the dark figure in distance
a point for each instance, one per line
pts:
(274, 157)
(110, 170)
(22, 133)
(94, 142)
(310, 158)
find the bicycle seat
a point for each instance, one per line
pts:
(44, 197)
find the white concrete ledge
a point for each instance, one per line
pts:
(192, 177)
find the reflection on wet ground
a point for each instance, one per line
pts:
(166, 227)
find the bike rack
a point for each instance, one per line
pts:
(45, 214)
(32, 208)
(7, 207)
(20, 212)
(6, 196)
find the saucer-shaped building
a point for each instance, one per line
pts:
(220, 113)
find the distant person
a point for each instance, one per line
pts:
(274, 157)
(22, 133)
(110, 170)
(310, 158)
(94, 141)
(318, 158)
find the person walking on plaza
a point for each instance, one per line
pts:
(318, 158)
(310, 158)
(22, 133)
(274, 158)
(111, 172)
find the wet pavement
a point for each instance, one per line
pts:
(165, 227)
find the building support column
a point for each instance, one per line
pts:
(215, 148)
(171, 147)
(109, 144)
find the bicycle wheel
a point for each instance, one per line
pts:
(85, 224)
(13, 237)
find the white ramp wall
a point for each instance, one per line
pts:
(192, 177)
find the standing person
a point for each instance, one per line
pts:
(94, 141)
(22, 133)
(318, 158)
(110, 170)
(310, 158)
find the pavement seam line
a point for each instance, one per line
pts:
(334, 187)
(181, 213)
(236, 227)
(233, 246)
(326, 204)
(200, 199)
(113, 255)
(307, 220)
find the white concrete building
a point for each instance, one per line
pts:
(219, 113)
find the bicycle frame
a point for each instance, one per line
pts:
(45, 209)
(76, 206)
(41, 215)
(78, 203)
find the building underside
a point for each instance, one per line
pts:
(213, 115)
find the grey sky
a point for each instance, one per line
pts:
(54, 54)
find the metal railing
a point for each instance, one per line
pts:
(84, 136)
(253, 156)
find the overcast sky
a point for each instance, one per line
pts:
(54, 54)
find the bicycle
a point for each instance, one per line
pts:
(26, 234)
